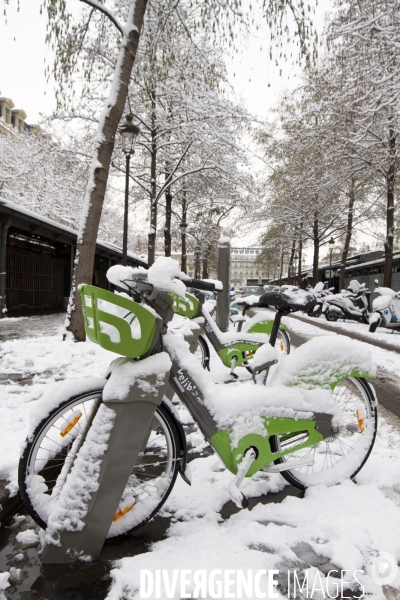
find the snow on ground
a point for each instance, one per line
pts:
(342, 527)
(339, 527)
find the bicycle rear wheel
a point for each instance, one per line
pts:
(46, 460)
(342, 455)
(202, 353)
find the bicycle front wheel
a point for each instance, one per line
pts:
(342, 455)
(46, 460)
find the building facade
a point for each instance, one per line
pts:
(12, 120)
(244, 266)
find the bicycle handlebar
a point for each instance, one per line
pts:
(207, 286)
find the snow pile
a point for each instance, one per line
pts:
(125, 372)
(217, 284)
(118, 274)
(71, 507)
(184, 326)
(162, 272)
(265, 354)
(27, 537)
(250, 300)
(320, 361)
(4, 577)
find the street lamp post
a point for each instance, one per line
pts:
(129, 133)
(278, 273)
(183, 238)
(331, 244)
(197, 257)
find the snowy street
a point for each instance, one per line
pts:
(342, 528)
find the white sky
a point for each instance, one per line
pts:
(23, 51)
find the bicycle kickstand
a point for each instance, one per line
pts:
(236, 495)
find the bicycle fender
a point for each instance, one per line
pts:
(182, 439)
(265, 327)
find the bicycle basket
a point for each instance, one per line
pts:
(117, 323)
(186, 307)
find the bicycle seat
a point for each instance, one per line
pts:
(289, 303)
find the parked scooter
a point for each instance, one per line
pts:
(386, 309)
(349, 304)
(320, 293)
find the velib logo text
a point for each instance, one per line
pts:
(218, 583)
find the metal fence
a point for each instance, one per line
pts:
(34, 279)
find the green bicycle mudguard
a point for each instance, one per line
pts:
(274, 426)
(186, 307)
(265, 327)
(112, 331)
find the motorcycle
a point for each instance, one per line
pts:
(386, 309)
(349, 304)
(320, 293)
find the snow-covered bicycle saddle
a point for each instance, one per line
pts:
(288, 302)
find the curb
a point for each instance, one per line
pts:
(8, 505)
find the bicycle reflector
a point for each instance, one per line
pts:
(117, 323)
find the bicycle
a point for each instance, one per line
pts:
(322, 434)
(235, 349)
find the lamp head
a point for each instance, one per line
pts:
(129, 133)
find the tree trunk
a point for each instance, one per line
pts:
(153, 196)
(290, 265)
(96, 187)
(183, 235)
(316, 249)
(167, 228)
(206, 257)
(349, 232)
(390, 179)
(300, 259)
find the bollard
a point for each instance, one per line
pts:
(224, 275)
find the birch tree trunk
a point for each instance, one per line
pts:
(96, 187)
